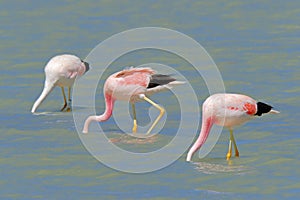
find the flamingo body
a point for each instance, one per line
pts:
(61, 71)
(127, 84)
(228, 110)
(132, 85)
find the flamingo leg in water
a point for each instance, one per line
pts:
(134, 119)
(65, 100)
(228, 156)
(161, 109)
(232, 140)
(69, 100)
(237, 154)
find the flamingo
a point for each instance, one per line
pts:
(131, 85)
(227, 110)
(61, 70)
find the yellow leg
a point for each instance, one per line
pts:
(237, 154)
(69, 100)
(134, 119)
(65, 100)
(161, 109)
(228, 156)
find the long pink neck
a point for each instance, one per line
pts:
(206, 126)
(109, 104)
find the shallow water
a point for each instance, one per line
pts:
(256, 48)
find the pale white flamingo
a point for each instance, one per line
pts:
(132, 84)
(228, 110)
(61, 71)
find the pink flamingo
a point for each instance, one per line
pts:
(228, 110)
(61, 71)
(132, 84)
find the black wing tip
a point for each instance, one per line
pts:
(262, 108)
(160, 79)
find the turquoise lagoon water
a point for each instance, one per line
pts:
(255, 46)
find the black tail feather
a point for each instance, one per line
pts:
(262, 108)
(160, 79)
(87, 65)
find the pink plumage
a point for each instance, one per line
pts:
(131, 85)
(128, 83)
(228, 110)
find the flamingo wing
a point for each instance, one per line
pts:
(135, 76)
(240, 103)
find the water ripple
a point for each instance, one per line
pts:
(212, 168)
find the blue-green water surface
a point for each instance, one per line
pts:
(256, 47)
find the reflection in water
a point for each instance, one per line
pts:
(49, 113)
(131, 139)
(216, 168)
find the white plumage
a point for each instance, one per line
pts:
(61, 71)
